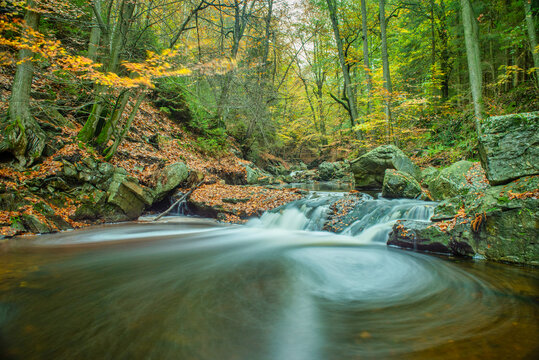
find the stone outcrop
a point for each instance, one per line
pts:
(101, 191)
(369, 169)
(498, 224)
(509, 147)
(256, 176)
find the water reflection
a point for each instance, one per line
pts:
(198, 291)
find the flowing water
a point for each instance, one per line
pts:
(276, 288)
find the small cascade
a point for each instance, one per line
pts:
(181, 208)
(369, 219)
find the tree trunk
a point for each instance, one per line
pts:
(120, 33)
(387, 74)
(265, 60)
(242, 12)
(474, 60)
(432, 48)
(352, 105)
(445, 55)
(530, 23)
(366, 53)
(117, 43)
(95, 34)
(21, 134)
(112, 150)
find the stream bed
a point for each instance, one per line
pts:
(275, 288)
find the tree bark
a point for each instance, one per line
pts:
(366, 53)
(445, 54)
(386, 73)
(21, 134)
(350, 98)
(474, 60)
(95, 34)
(530, 23)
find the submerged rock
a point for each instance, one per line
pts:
(369, 169)
(398, 184)
(509, 147)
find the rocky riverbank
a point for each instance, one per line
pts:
(488, 209)
(74, 187)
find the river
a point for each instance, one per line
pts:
(276, 288)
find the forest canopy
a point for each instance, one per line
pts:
(300, 79)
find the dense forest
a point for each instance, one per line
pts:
(302, 80)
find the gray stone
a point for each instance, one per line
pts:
(509, 147)
(251, 175)
(105, 169)
(369, 169)
(428, 174)
(69, 170)
(398, 184)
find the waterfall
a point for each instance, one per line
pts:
(369, 219)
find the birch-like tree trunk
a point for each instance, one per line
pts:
(474, 60)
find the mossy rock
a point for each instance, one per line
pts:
(398, 184)
(369, 169)
(509, 147)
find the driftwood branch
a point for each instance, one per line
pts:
(178, 201)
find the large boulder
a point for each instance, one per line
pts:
(458, 179)
(170, 178)
(509, 147)
(128, 195)
(398, 184)
(369, 169)
(510, 226)
(500, 224)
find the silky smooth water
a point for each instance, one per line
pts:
(191, 289)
